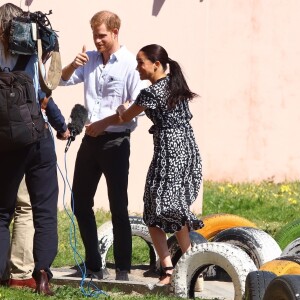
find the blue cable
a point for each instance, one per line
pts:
(92, 289)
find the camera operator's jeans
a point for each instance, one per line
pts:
(38, 162)
(109, 155)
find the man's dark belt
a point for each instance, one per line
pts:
(114, 132)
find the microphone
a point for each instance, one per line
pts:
(78, 118)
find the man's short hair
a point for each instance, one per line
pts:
(110, 19)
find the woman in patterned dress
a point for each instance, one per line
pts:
(175, 173)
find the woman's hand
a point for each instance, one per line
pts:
(122, 108)
(95, 129)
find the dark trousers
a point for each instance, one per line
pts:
(109, 155)
(38, 163)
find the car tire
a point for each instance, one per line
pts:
(215, 223)
(293, 248)
(288, 233)
(174, 248)
(281, 267)
(286, 287)
(259, 245)
(138, 228)
(191, 264)
(257, 283)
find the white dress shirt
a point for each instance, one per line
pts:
(107, 87)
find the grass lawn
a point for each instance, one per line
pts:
(270, 206)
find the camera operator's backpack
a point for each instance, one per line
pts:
(21, 119)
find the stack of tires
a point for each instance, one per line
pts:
(279, 278)
(235, 246)
(232, 245)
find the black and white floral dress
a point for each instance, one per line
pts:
(175, 173)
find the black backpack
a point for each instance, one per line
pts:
(21, 119)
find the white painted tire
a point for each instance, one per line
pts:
(292, 248)
(138, 228)
(259, 245)
(105, 240)
(232, 259)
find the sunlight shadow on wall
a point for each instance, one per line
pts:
(157, 5)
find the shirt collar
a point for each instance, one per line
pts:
(117, 55)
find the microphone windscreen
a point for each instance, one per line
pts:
(78, 117)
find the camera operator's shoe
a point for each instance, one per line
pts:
(122, 275)
(20, 283)
(4, 282)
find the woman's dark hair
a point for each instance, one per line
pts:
(179, 89)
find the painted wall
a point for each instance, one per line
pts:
(241, 56)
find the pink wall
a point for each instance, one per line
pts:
(241, 56)
(251, 86)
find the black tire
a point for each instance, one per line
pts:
(293, 258)
(175, 251)
(285, 287)
(259, 245)
(257, 283)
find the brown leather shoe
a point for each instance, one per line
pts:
(20, 283)
(42, 284)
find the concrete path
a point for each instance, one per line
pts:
(216, 290)
(138, 284)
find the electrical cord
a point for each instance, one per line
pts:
(91, 290)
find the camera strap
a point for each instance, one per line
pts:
(50, 80)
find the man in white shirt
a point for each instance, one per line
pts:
(110, 78)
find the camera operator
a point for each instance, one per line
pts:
(37, 162)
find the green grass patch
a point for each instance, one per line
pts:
(268, 205)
